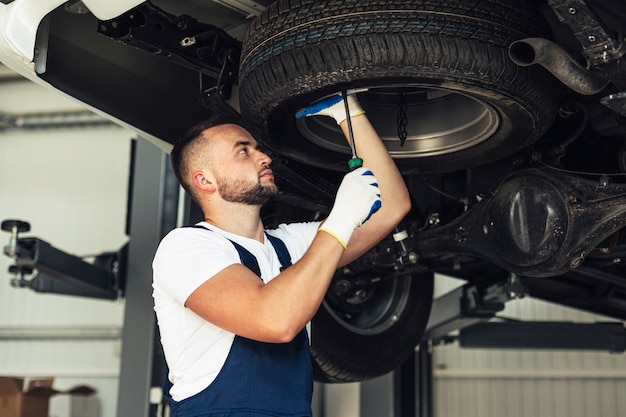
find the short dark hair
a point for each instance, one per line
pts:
(177, 154)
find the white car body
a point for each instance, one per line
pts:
(20, 19)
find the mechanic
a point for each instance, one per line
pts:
(235, 344)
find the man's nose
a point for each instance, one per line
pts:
(264, 159)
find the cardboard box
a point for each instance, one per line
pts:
(37, 398)
(18, 399)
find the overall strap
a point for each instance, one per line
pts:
(249, 261)
(281, 251)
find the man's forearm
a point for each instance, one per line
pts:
(394, 195)
(292, 299)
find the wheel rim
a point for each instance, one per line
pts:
(439, 121)
(373, 313)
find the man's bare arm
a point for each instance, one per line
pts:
(236, 299)
(393, 192)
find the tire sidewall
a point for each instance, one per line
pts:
(342, 355)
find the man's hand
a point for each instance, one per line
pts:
(357, 199)
(396, 202)
(333, 107)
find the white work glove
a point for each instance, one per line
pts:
(333, 107)
(357, 199)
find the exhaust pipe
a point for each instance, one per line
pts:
(555, 59)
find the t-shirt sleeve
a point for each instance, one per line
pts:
(188, 257)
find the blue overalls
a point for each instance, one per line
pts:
(257, 379)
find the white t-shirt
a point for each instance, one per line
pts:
(195, 349)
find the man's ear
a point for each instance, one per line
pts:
(203, 182)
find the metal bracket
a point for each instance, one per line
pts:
(598, 46)
(468, 305)
(201, 47)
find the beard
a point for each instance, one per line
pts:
(246, 192)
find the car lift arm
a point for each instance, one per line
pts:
(58, 272)
(609, 337)
(467, 309)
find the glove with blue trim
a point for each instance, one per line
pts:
(357, 199)
(333, 107)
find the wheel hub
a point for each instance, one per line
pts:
(438, 121)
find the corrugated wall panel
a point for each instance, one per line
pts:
(480, 397)
(538, 383)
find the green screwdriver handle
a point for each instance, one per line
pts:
(355, 163)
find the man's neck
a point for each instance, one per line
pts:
(240, 219)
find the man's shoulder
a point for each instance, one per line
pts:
(191, 237)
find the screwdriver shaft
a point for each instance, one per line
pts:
(355, 162)
(344, 94)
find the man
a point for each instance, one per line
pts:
(235, 344)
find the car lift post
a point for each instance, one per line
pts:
(152, 213)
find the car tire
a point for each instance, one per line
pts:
(355, 341)
(437, 71)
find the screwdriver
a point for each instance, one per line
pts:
(354, 162)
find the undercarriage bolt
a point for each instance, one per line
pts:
(11, 249)
(433, 219)
(604, 181)
(577, 261)
(19, 271)
(188, 41)
(14, 227)
(342, 287)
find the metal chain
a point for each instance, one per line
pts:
(401, 115)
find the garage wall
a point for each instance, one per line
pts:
(512, 383)
(71, 186)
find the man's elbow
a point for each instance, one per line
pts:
(285, 335)
(281, 331)
(406, 205)
(402, 207)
